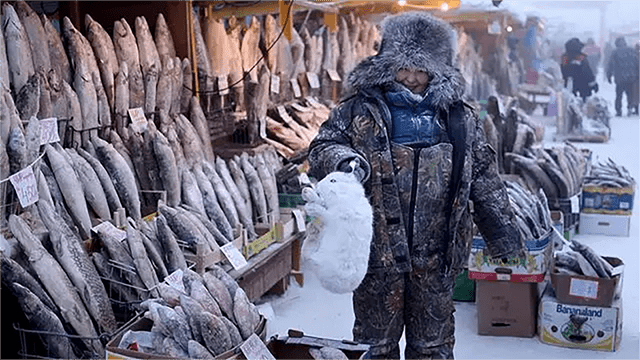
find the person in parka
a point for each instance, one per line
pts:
(623, 65)
(575, 65)
(422, 157)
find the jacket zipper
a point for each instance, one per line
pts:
(412, 203)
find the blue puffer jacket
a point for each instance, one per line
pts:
(414, 121)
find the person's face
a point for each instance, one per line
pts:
(414, 80)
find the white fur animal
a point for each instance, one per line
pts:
(340, 254)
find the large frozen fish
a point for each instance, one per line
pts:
(219, 292)
(176, 87)
(191, 194)
(12, 272)
(182, 226)
(105, 55)
(141, 260)
(74, 113)
(200, 293)
(195, 217)
(345, 61)
(249, 49)
(202, 57)
(82, 79)
(5, 78)
(212, 207)
(28, 98)
(37, 38)
(149, 61)
(121, 99)
(71, 189)
(109, 190)
(200, 124)
(121, 176)
(179, 327)
(82, 273)
(19, 56)
(93, 190)
(246, 315)
(168, 169)
(150, 162)
(56, 282)
(256, 189)
(199, 351)
(234, 58)
(191, 143)
(32, 141)
(270, 187)
(171, 250)
(45, 110)
(57, 52)
(164, 40)
(165, 87)
(241, 182)
(187, 86)
(244, 214)
(127, 52)
(222, 193)
(214, 332)
(117, 284)
(16, 150)
(176, 146)
(41, 318)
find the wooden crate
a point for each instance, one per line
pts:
(204, 257)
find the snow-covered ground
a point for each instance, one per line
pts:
(320, 313)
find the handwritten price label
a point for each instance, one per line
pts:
(333, 75)
(138, 120)
(49, 131)
(24, 182)
(254, 349)
(175, 280)
(296, 88)
(106, 227)
(233, 254)
(223, 85)
(313, 80)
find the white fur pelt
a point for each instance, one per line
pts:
(339, 256)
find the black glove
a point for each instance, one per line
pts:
(609, 79)
(595, 88)
(352, 165)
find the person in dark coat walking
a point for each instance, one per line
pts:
(623, 65)
(575, 65)
(421, 156)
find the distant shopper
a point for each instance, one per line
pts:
(635, 90)
(575, 66)
(623, 65)
(593, 55)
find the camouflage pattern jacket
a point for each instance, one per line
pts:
(359, 127)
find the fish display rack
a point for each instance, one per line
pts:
(32, 348)
(203, 257)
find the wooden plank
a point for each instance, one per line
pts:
(177, 14)
(283, 7)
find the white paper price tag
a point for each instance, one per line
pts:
(106, 227)
(300, 225)
(233, 255)
(262, 128)
(296, 88)
(333, 75)
(138, 120)
(254, 349)
(313, 80)
(49, 131)
(503, 277)
(583, 288)
(24, 182)
(175, 281)
(223, 85)
(300, 108)
(275, 84)
(313, 102)
(575, 204)
(303, 179)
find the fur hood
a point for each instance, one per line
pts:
(416, 41)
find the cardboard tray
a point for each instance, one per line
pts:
(140, 323)
(587, 290)
(296, 346)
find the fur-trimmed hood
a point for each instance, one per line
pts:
(416, 41)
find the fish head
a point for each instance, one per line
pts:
(119, 30)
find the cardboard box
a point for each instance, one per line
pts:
(582, 327)
(607, 200)
(297, 345)
(602, 224)
(557, 220)
(140, 323)
(483, 267)
(587, 290)
(507, 308)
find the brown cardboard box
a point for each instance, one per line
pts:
(507, 308)
(587, 290)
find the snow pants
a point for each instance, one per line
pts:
(626, 88)
(419, 302)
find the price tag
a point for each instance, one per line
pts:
(106, 227)
(583, 288)
(49, 131)
(312, 78)
(24, 182)
(254, 349)
(333, 75)
(283, 114)
(503, 277)
(138, 120)
(223, 85)
(263, 128)
(300, 108)
(175, 281)
(575, 204)
(275, 84)
(296, 88)
(303, 179)
(313, 102)
(300, 224)
(233, 254)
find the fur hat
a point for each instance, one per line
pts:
(415, 41)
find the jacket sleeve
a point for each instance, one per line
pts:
(333, 144)
(493, 214)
